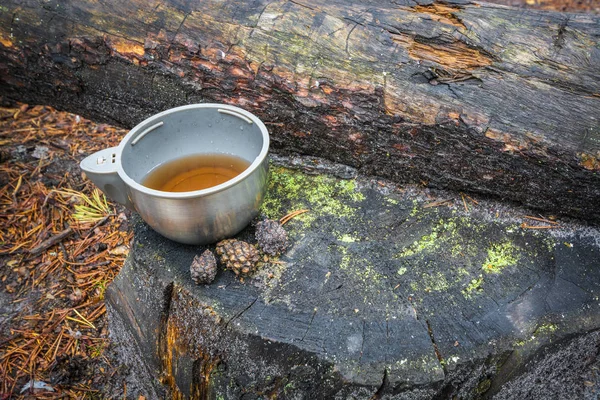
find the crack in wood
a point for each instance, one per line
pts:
(577, 286)
(240, 313)
(186, 15)
(436, 349)
(302, 5)
(79, 23)
(260, 16)
(309, 325)
(163, 333)
(384, 383)
(348, 37)
(362, 342)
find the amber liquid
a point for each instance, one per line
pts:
(195, 172)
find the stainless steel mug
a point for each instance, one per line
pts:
(197, 217)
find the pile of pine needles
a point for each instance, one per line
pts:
(61, 244)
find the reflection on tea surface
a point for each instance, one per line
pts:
(195, 172)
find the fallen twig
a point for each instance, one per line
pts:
(462, 195)
(46, 244)
(525, 226)
(96, 225)
(540, 219)
(293, 214)
(472, 199)
(41, 333)
(437, 203)
(10, 338)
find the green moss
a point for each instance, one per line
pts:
(290, 190)
(101, 286)
(402, 271)
(473, 287)
(500, 256)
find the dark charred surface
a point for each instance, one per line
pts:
(463, 96)
(384, 293)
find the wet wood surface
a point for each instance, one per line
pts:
(383, 293)
(466, 96)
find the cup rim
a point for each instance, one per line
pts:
(196, 193)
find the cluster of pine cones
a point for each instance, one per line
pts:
(240, 257)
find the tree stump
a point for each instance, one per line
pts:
(459, 95)
(385, 293)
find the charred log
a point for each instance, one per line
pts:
(466, 96)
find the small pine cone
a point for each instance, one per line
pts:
(271, 237)
(204, 268)
(238, 256)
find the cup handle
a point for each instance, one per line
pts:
(101, 169)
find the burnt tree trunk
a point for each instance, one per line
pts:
(465, 96)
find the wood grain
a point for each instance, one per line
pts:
(462, 95)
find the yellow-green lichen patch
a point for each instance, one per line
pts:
(347, 239)
(454, 240)
(415, 209)
(546, 329)
(444, 236)
(431, 281)
(361, 273)
(359, 268)
(345, 261)
(324, 195)
(435, 281)
(427, 242)
(500, 256)
(414, 286)
(540, 334)
(473, 287)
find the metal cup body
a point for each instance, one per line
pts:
(197, 217)
(207, 218)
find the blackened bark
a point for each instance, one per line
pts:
(465, 96)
